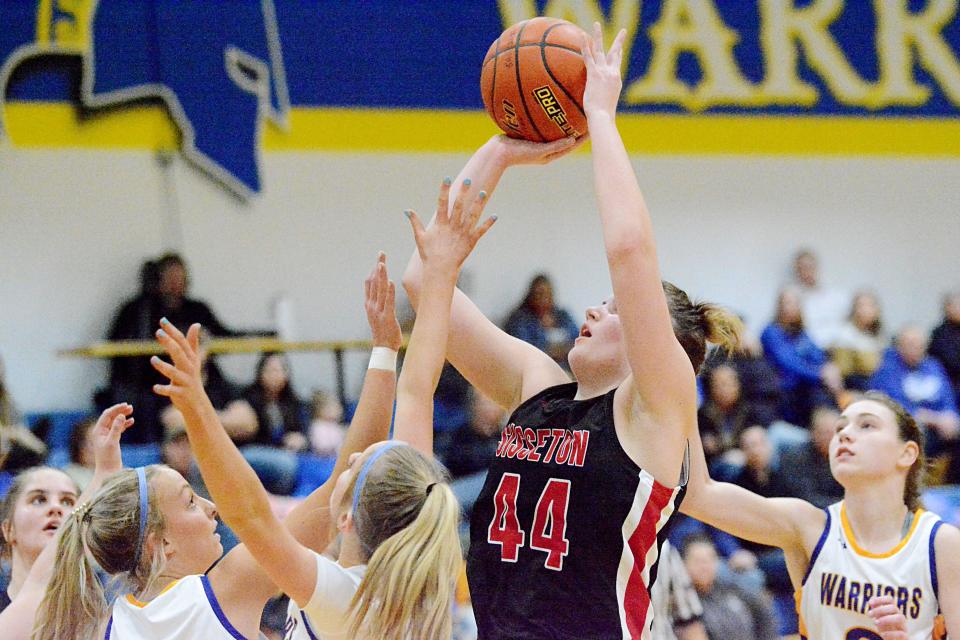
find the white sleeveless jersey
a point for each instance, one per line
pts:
(325, 616)
(185, 610)
(843, 577)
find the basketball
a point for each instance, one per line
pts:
(533, 78)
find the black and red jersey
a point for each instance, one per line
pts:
(564, 534)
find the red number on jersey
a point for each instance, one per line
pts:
(552, 512)
(505, 528)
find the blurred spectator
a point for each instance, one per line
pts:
(8, 410)
(758, 379)
(327, 428)
(728, 610)
(810, 477)
(81, 465)
(540, 322)
(279, 411)
(945, 340)
(725, 412)
(676, 606)
(858, 346)
(164, 287)
(807, 378)
(824, 309)
(758, 473)
(474, 445)
(919, 383)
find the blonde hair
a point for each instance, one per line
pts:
(407, 519)
(696, 324)
(108, 527)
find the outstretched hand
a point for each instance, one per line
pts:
(106, 437)
(185, 389)
(890, 621)
(604, 80)
(446, 243)
(380, 304)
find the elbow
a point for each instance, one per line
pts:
(630, 245)
(411, 282)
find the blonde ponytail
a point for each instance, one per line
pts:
(409, 583)
(108, 528)
(74, 603)
(721, 327)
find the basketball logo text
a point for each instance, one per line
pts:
(510, 119)
(554, 111)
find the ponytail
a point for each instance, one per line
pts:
(74, 603)
(720, 327)
(108, 529)
(408, 518)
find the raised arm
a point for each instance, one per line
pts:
(17, 619)
(310, 522)
(662, 376)
(506, 369)
(442, 248)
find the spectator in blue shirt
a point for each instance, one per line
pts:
(918, 382)
(807, 377)
(540, 322)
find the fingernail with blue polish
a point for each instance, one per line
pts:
(407, 212)
(448, 181)
(161, 333)
(466, 182)
(494, 218)
(154, 359)
(164, 321)
(483, 195)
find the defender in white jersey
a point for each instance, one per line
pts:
(875, 566)
(147, 526)
(844, 577)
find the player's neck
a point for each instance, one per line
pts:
(351, 552)
(587, 390)
(876, 514)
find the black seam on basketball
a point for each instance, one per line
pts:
(523, 98)
(546, 67)
(529, 44)
(543, 55)
(493, 82)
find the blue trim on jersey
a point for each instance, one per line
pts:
(307, 627)
(106, 636)
(817, 549)
(215, 605)
(933, 562)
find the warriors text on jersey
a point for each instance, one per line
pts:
(843, 577)
(564, 535)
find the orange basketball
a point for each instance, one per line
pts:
(532, 80)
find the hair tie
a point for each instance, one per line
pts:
(82, 512)
(430, 487)
(142, 489)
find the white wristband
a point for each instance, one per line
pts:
(383, 358)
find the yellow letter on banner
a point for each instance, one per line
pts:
(695, 26)
(624, 14)
(782, 28)
(898, 32)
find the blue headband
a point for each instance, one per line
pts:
(362, 477)
(143, 488)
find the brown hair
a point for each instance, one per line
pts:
(9, 504)
(108, 529)
(407, 519)
(697, 323)
(909, 431)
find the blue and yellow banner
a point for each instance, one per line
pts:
(222, 79)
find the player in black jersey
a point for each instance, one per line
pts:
(564, 534)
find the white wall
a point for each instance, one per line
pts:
(75, 225)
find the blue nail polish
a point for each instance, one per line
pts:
(483, 195)
(407, 212)
(161, 333)
(164, 321)
(467, 182)
(448, 181)
(494, 218)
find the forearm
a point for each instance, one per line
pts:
(484, 169)
(310, 521)
(424, 362)
(240, 497)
